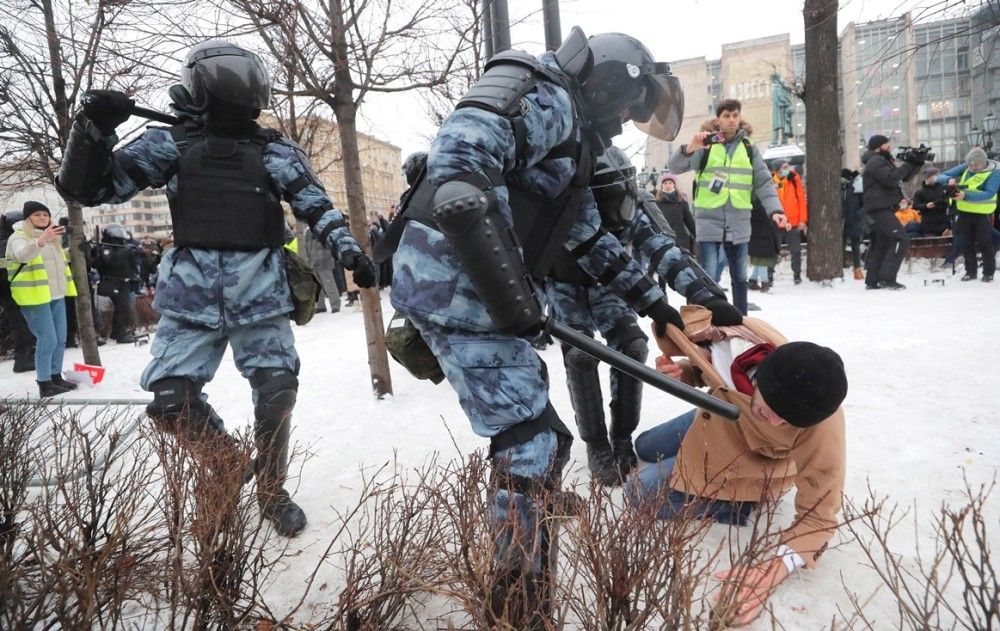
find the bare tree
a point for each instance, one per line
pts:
(340, 51)
(826, 249)
(51, 51)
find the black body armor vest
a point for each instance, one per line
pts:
(225, 199)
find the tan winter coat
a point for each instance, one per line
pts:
(750, 459)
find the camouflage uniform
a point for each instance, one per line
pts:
(591, 309)
(207, 297)
(500, 380)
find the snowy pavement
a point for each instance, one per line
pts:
(923, 407)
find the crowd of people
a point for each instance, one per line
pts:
(497, 217)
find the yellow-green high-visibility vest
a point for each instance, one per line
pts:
(974, 182)
(738, 171)
(29, 284)
(293, 245)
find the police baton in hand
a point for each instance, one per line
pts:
(640, 371)
(153, 115)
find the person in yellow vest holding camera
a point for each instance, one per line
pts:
(40, 280)
(974, 186)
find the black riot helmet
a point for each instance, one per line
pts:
(614, 189)
(626, 83)
(114, 233)
(413, 165)
(217, 70)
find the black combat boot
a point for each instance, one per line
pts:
(24, 361)
(588, 404)
(626, 395)
(275, 390)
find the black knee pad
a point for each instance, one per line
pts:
(177, 405)
(276, 390)
(627, 336)
(577, 360)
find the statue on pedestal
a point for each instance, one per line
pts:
(781, 112)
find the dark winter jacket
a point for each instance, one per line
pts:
(882, 179)
(932, 220)
(678, 215)
(854, 212)
(765, 239)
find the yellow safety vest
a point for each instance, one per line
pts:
(293, 245)
(975, 183)
(738, 171)
(29, 284)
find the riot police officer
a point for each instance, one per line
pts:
(509, 172)
(118, 262)
(224, 282)
(577, 299)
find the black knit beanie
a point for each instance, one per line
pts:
(803, 383)
(877, 141)
(30, 208)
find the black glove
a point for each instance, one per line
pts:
(107, 109)
(663, 314)
(723, 313)
(362, 267)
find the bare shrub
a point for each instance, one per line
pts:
(955, 585)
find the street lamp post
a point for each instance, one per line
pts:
(983, 137)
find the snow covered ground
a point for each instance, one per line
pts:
(922, 408)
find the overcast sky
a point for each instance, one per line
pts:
(671, 29)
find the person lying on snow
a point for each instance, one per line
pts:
(790, 434)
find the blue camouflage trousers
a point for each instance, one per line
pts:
(501, 381)
(183, 349)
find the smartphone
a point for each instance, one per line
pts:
(714, 137)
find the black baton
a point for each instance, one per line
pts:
(641, 371)
(153, 115)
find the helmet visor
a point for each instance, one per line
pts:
(662, 110)
(237, 77)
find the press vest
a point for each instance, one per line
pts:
(29, 283)
(737, 188)
(974, 182)
(225, 199)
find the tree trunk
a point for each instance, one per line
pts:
(345, 110)
(823, 138)
(77, 262)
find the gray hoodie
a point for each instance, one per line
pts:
(728, 223)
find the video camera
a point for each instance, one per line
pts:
(915, 155)
(952, 190)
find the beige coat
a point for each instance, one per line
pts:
(21, 248)
(750, 459)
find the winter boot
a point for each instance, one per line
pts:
(602, 463)
(859, 273)
(753, 284)
(24, 361)
(48, 389)
(62, 383)
(765, 287)
(275, 391)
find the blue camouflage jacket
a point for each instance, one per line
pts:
(217, 288)
(427, 277)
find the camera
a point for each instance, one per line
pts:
(916, 155)
(715, 137)
(952, 190)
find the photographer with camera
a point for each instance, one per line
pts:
(882, 194)
(973, 186)
(729, 171)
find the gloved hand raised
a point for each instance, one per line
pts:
(723, 313)
(663, 314)
(362, 267)
(107, 109)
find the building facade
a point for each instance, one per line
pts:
(926, 82)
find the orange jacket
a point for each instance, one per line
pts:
(906, 215)
(792, 194)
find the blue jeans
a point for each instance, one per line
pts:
(48, 323)
(661, 445)
(710, 253)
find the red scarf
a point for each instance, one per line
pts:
(747, 361)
